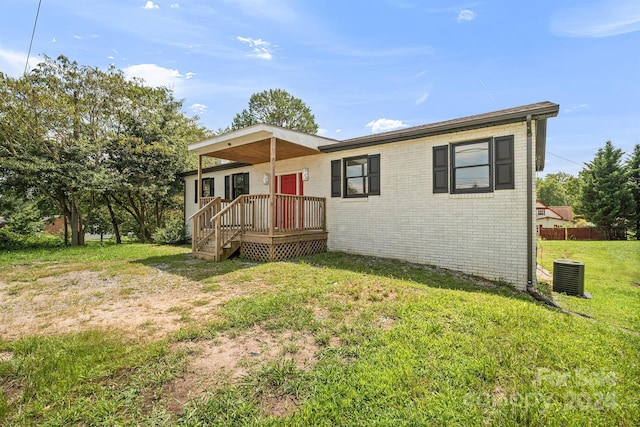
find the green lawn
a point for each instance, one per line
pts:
(395, 344)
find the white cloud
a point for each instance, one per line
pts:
(322, 131)
(383, 125)
(155, 75)
(198, 108)
(12, 62)
(601, 19)
(422, 98)
(174, 5)
(189, 75)
(151, 5)
(53, 40)
(77, 37)
(110, 57)
(338, 130)
(578, 107)
(261, 48)
(466, 15)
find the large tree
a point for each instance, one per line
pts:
(276, 107)
(51, 139)
(85, 137)
(633, 166)
(605, 197)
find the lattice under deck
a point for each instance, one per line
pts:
(281, 251)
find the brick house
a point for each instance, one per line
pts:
(426, 194)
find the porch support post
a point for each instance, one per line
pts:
(199, 184)
(272, 189)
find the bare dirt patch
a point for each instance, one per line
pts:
(149, 306)
(228, 359)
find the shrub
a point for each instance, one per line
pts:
(174, 233)
(10, 240)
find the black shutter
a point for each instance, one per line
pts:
(440, 169)
(335, 178)
(227, 187)
(374, 174)
(195, 199)
(503, 149)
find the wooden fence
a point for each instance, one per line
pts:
(584, 233)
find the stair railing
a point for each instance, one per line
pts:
(201, 230)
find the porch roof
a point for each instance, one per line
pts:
(251, 144)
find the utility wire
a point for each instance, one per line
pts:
(563, 158)
(33, 33)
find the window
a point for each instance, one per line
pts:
(361, 176)
(540, 212)
(207, 187)
(471, 167)
(236, 185)
(480, 166)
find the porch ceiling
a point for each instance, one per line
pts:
(259, 151)
(252, 144)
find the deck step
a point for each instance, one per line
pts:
(208, 251)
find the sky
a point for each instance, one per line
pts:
(362, 66)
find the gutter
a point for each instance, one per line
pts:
(529, 216)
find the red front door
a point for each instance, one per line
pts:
(289, 184)
(290, 208)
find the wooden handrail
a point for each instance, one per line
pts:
(250, 213)
(207, 205)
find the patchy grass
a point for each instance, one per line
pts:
(392, 343)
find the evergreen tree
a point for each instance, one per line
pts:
(606, 197)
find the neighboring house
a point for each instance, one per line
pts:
(426, 194)
(553, 216)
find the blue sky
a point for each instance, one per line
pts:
(363, 66)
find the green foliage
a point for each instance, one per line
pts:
(174, 233)
(10, 241)
(606, 195)
(276, 107)
(24, 219)
(558, 189)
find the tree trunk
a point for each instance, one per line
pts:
(114, 222)
(66, 230)
(75, 232)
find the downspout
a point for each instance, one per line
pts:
(529, 216)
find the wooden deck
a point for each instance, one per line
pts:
(222, 227)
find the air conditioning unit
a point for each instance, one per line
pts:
(568, 277)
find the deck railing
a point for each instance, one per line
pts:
(202, 229)
(223, 220)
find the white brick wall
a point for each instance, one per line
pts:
(483, 234)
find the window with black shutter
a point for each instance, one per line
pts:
(361, 176)
(478, 166)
